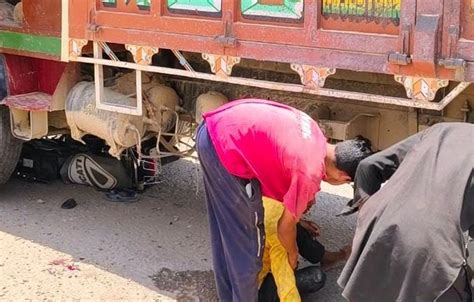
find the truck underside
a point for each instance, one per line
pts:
(378, 69)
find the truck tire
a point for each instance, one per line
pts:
(10, 147)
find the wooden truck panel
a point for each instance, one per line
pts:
(421, 38)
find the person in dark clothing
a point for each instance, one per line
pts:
(311, 278)
(411, 236)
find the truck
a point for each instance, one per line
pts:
(134, 71)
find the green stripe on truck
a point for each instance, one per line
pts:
(32, 43)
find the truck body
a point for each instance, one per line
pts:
(384, 69)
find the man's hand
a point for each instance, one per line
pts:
(311, 227)
(293, 260)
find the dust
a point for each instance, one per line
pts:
(187, 285)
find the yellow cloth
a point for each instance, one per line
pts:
(275, 257)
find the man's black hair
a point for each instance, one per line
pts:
(350, 153)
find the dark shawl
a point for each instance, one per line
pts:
(410, 237)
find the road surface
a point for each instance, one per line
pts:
(154, 250)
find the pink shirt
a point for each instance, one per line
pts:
(280, 146)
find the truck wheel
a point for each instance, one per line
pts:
(10, 147)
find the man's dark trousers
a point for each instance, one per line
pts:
(236, 223)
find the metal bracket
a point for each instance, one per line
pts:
(28, 125)
(227, 40)
(142, 54)
(99, 88)
(402, 57)
(75, 47)
(221, 65)
(426, 42)
(452, 62)
(421, 89)
(453, 32)
(466, 111)
(399, 58)
(294, 88)
(311, 76)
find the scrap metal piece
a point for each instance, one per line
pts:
(311, 76)
(421, 89)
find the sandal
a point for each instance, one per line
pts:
(122, 195)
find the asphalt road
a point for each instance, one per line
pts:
(155, 250)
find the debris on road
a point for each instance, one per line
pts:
(69, 204)
(68, 264)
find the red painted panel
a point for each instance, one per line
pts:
(49, 74)
(43, 15)
(26, 75)
(22, 75)
(467, 15)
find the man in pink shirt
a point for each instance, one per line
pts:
(252, 147)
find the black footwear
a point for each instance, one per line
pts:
(310, 279)
(122, 195)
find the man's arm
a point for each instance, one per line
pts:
(287, 236)
(283, 274)
(378, 168)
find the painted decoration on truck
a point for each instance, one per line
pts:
(287, 9)
(142, 4)
(208, 6)
(378, 11)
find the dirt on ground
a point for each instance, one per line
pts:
(156, 249)
(188, 286)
